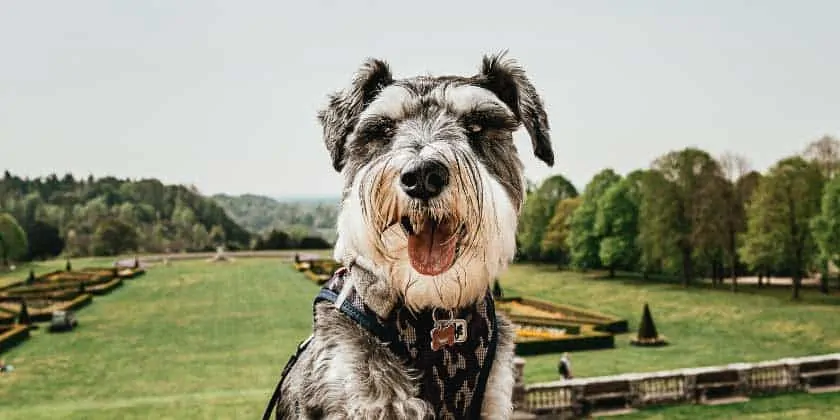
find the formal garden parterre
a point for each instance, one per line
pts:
(35, 299)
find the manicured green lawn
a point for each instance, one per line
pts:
(198, 340)
(191, 340)
(705, 327)
(783, 407)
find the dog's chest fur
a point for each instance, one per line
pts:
(453, 378)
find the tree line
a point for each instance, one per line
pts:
(298, 218)
(696, 216)
(51, 216)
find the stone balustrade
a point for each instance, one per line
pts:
(735, 382)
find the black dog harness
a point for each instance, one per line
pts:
(454, 353)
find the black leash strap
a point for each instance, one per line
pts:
(275, 397)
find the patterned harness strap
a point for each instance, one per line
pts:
(460, 397)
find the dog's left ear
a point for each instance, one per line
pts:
(507, 80)
(341, 114)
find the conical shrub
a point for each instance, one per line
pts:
(647, 334)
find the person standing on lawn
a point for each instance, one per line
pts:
(565, 367)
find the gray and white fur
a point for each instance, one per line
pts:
(460, 130)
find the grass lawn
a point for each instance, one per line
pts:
(705, 327)
(189, 341)
(783, 407)
(195, 340)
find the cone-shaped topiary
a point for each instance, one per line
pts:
(68, 266)
(647, 335)
(497, 289)
(23, 316)
(31, 278)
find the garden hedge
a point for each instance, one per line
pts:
(573, 316)
(592, 341)
(45, 314)
(13, 335)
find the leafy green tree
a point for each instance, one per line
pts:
(217, 235)
(677, 219)
(276, 239)
(584, 241)
(734, 194)
(616, 223)
(554, 246)
(114, 237)
(13, 244)
(200, 237)
(825, 227)
(44, 240)
(778, 219)
(537, 213)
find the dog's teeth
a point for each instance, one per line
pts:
(417, 221)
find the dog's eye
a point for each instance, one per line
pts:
(484, 121)
(377, 129)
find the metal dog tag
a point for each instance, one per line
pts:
(448, 332)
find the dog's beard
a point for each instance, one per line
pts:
(441, 254)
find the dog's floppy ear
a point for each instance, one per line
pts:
(345, 106)
(507, 80)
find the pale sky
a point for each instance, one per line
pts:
(223, 95)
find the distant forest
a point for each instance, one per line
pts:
(50, 216)
(261, 214)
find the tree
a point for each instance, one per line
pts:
(825, 153)
(217, 235)
(313, 242)
(554, 245)
(77, 207)
(276, 239)
(114, 237)
(44, 240)
(13, 244)
(734, 168)
(616, 223)
(537, 213)
(678, 220)
(825, 227)
(778, 227)
(584, 242)
(200, 237)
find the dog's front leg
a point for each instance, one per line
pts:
(498, 396)
(348, 374)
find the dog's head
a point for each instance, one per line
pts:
(433, 183)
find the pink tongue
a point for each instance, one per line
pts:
(432, 250)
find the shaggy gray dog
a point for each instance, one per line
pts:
(433, 188)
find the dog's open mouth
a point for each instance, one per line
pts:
(433, 246)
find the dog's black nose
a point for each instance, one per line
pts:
(424, 179)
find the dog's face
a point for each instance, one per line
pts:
(433, 182)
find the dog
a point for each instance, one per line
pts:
(433, 187)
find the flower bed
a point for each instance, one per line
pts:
(41, 311)
(130, 273)
(544, 327)
(534, 343)
(538, 312)
(540, 333)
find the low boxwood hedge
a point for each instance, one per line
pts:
(12, 335)
(593, 341)
(45, 314)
